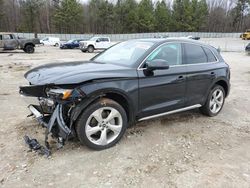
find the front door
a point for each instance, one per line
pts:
(99, 43)
(163, 90)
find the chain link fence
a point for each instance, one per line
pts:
(122, 37)
(224, 41)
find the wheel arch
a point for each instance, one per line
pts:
(29, 43)
(223, 84)
(219, 81)
(91, 45)
(115, 95)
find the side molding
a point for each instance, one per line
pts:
(171, 112)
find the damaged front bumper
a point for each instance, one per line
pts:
(54, 124)
(55, 119)
(54, 108)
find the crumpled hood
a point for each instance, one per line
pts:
(76, 72)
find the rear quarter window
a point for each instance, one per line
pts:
(210, 55)
(194, 54)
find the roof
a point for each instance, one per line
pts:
(171, 39)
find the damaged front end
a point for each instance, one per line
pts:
(52, 109)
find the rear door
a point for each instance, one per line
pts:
(106, 42)
(200, 72)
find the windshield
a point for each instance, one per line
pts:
(70, 41)
(124, 53)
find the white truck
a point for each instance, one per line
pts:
(95, 43)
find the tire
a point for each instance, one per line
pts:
(90, 49)
(100, 135)
(214, 102)
(56, 45)
(29, 48)
(84, 51)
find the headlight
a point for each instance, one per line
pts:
(60, 93)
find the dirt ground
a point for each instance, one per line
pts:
(181, 150)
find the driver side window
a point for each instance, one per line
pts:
(170, 52)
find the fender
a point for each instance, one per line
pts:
(79, 108)
(222, 78)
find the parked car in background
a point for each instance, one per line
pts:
(9, 41)
(71, 44)
(95, 43)
(248, 48)
(246, 35)
(50, 41)
(132, 81)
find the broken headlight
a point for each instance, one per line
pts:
(59, 93)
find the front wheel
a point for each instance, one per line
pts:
(90, 49)
(102, 124)
(215, 101)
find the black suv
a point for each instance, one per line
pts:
(132, 81)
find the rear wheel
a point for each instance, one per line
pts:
(29, 49)
(84, 51)
(102, 124)
(90, 49)
(215, 101)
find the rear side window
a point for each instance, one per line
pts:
(104, 39)
(210, 55)
(194, 54)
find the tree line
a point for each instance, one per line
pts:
(124, 16)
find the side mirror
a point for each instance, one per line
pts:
(157, 64)
(97, 40)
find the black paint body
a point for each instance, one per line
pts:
(145, 94)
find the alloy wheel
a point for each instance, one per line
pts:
(216, 101)
(103, 126)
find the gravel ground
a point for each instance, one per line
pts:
(181, 150)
